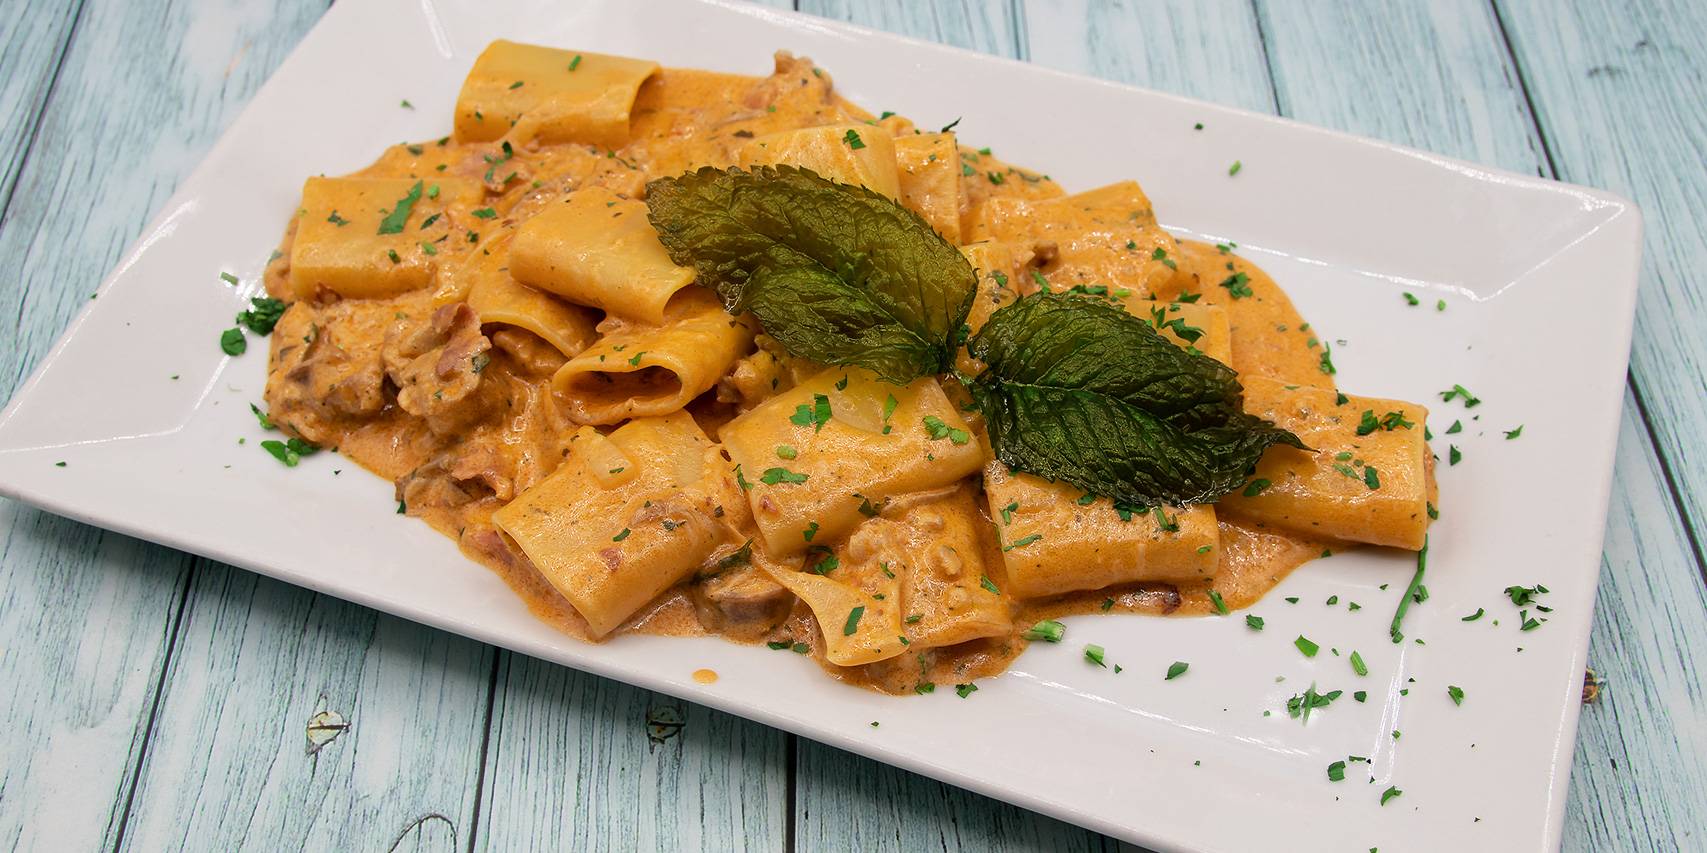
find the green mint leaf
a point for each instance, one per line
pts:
(836, 273)
(1081, 391)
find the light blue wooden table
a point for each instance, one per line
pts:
(158, 701)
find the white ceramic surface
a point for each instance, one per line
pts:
(1539, 280)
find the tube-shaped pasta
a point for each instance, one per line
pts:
(498, 298)
(854, 153)
(842, 441)
(1107, 236)
(1371, 487)
(859, 614)
(342, 242)
(598, 249)
(625, 517)
(645, 371)
(1054, 540)
(928, 169)
(531, 92)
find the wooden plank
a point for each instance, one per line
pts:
(578, 762)
(1208, 50)
(1639, 781)
(86, 618)
(32, 43)
(230, 764)
(1428, 75)
(1617, 92)
(987, 27)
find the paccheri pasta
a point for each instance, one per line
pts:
(643, 423)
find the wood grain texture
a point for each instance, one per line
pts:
(578, 762)
(1429, 75)
(1640, 776)
(1208, 50)
(86, 619)
(31, 49)
(1617, 89)
(989, 27)
(229, 764)
(85, 615)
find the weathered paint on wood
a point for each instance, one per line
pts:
(86, 617)
(578, 762)
(1617, 89)
(1209, 50)
(1432, 77)
(230, 764)
(1640, 777)
(31, 48)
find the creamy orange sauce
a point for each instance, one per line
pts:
(365, 376)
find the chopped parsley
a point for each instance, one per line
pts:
(289, 452)
(1471, 401)
(787, 451)
(965, 690)
(230, 279)
(621, 536)
(937, 429)
(1453, 455)
(1048, 630)
(1238, 284)
(1514, 433)
(393, 221)
(1254, 623)
(1021, 543)
(852, 140)
(810, 531)
(773, 476)
(1357, 664)
(1457, 694)
(989, 585)
(1234, 169)
(233, 342)
(852, 624)
(1306, 646)
(1176, 669)
(263, 315)
(485, 213)
(1336, 771)
(1220, 605)
(816, 414)
(1299, 707)
(1094, 654)
(1256, 487)
(1389, 794)
(889, 405)
(1393, 630)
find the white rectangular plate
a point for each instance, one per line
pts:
(1539, 280)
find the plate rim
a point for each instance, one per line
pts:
(1626, 291)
